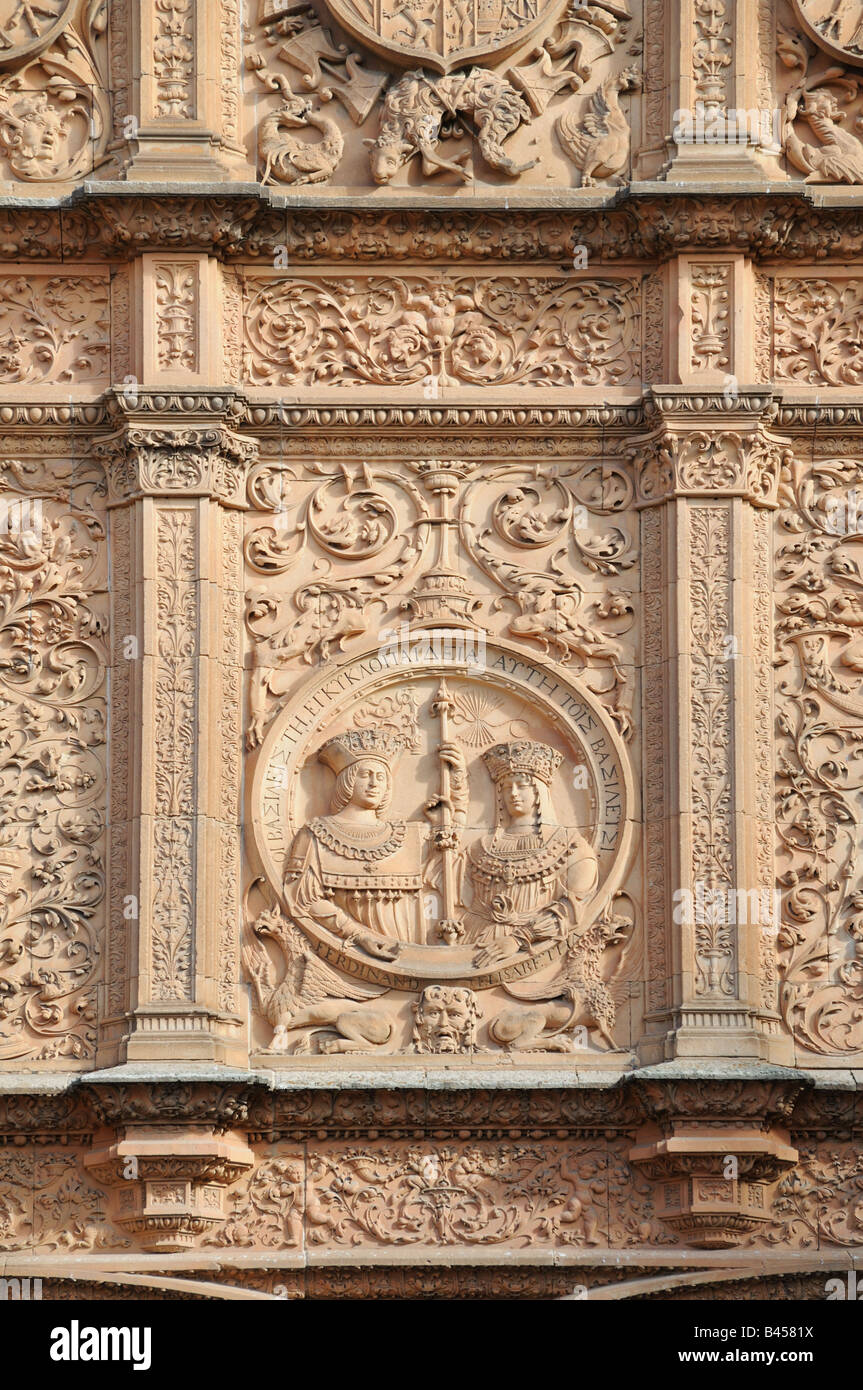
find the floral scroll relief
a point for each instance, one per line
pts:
(820, 1203)
(518, 1194)
(175, 735)
(52, 774)
(177, 315)
(818, 331)
(820, 782)
(403, 331)
(174, 59)
(712, 748)
(711, 54)
(541, 550)
(46, 1206)
(368, 527)
(711, 326)
(53, 329)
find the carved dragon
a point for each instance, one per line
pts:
(288, 160)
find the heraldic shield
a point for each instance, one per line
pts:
(445, 34)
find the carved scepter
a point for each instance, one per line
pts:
(449, 929)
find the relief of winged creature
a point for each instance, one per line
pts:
(311, 997)
(598, 144)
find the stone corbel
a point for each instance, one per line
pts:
(719, 1145)
(166, 1184)
(166, 1155)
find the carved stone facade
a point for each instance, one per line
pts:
(430, 677)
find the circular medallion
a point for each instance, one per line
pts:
(405, 816)
(836, 26)
(31, 28)
(445, 34)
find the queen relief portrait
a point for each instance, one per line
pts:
(527, 881)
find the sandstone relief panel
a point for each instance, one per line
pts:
(55, 115)
(442, 92)
(820, 90)
(53, 713)
(819, 730)
(441, 791)
(55, 331)
(486, 1195)
(443, 333)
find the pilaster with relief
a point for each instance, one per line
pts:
(722, 129)
(175, 484)
(185, 91)
(707, 483)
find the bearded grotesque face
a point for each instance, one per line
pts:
(445, 1020)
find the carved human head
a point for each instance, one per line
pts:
(445, 1019)
(522, 773)
(363, 761)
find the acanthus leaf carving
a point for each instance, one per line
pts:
(820, 718)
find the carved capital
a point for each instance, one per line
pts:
(710, 445)
(155, 454)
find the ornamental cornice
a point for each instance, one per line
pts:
(248, 1104)
(652, 223)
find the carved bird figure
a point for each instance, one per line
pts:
(599, 145)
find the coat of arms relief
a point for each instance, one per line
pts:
(400, 92)
(442, 797)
